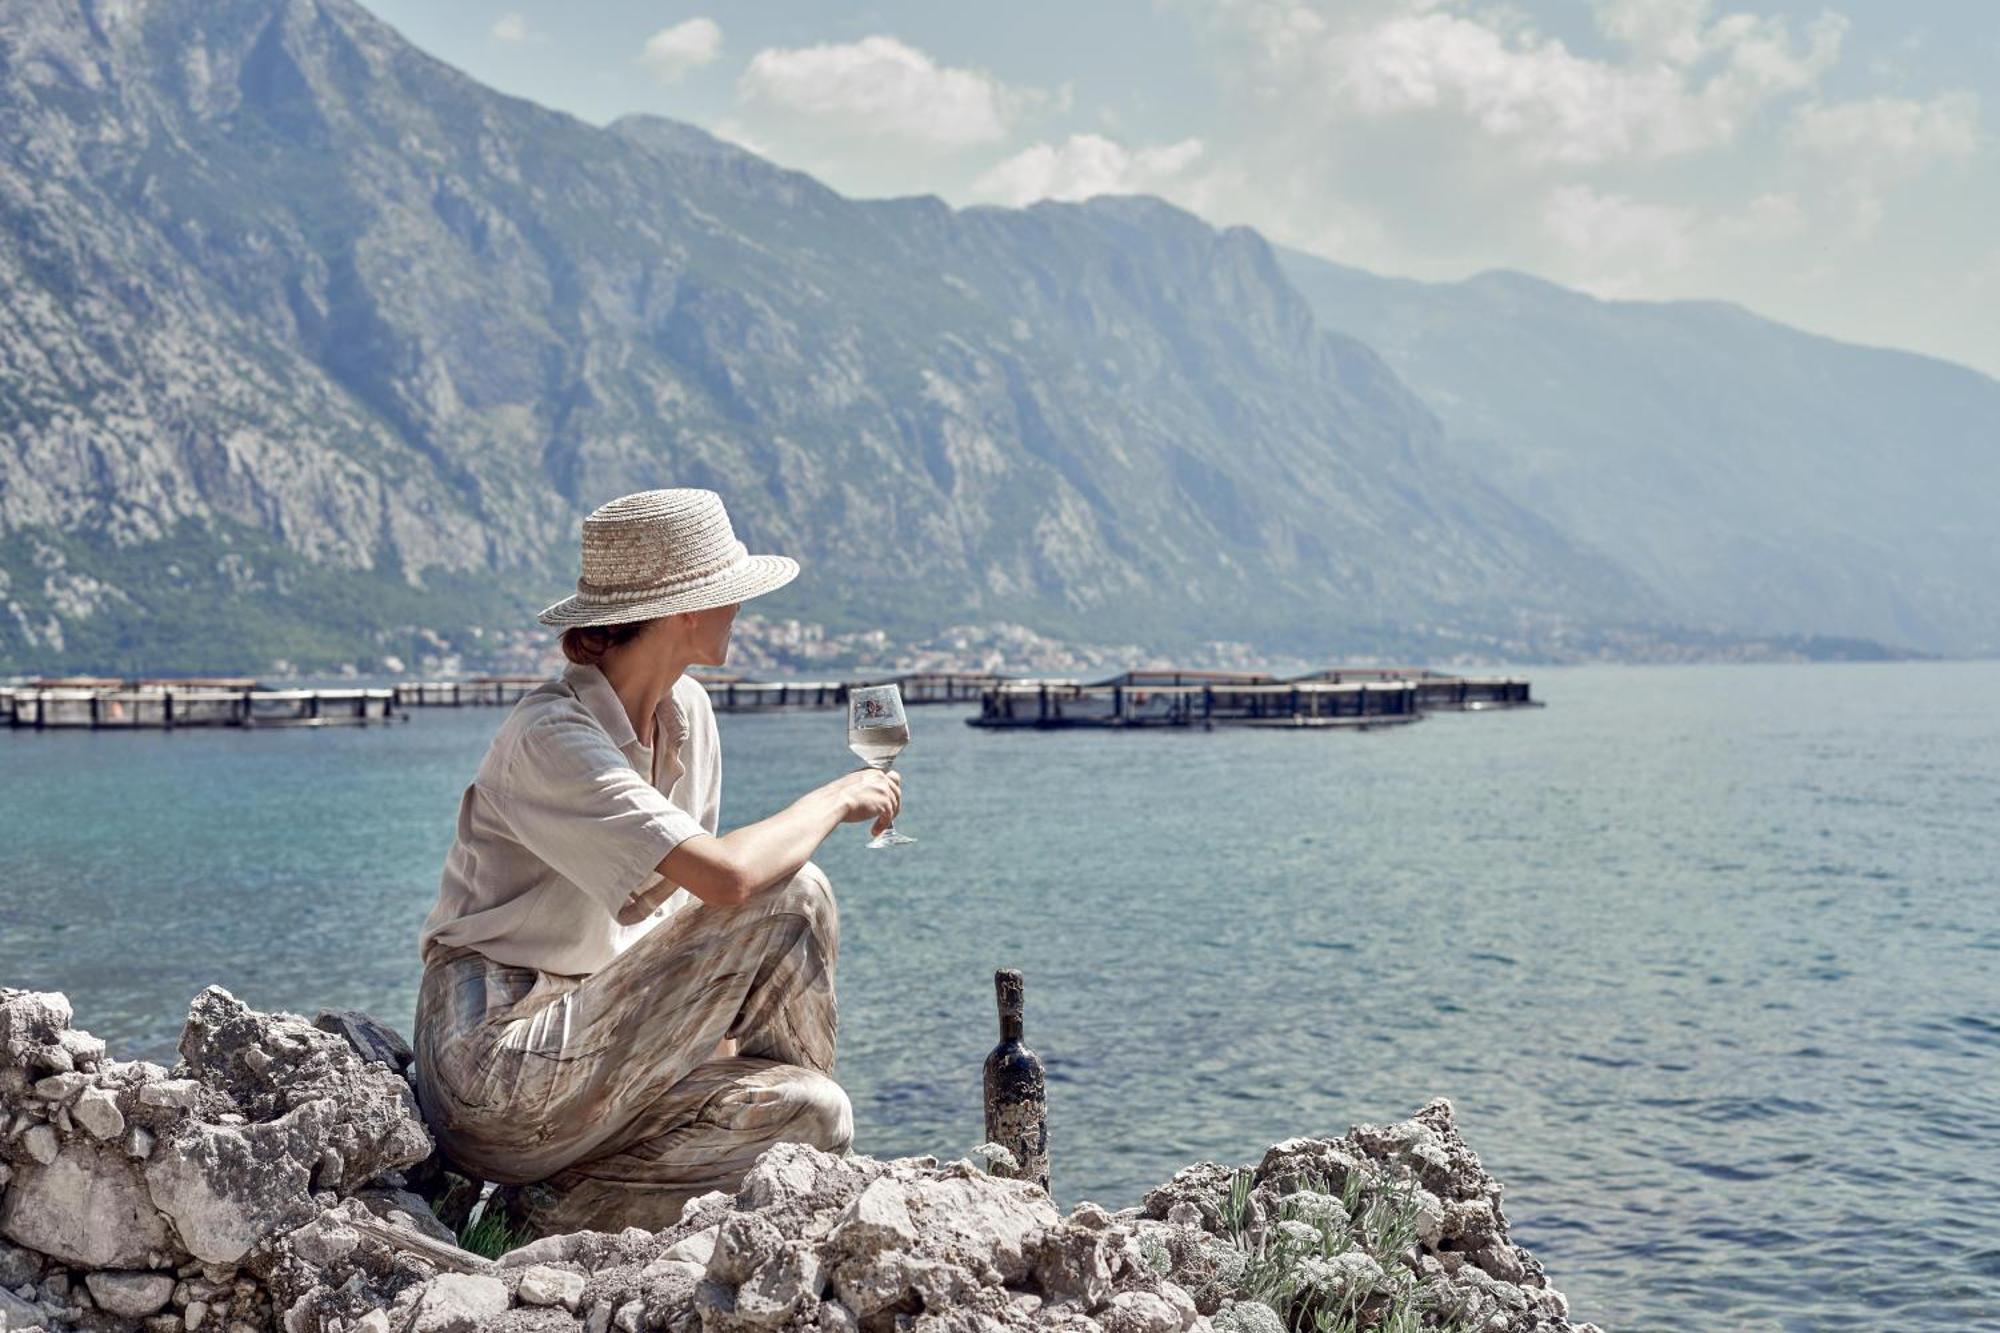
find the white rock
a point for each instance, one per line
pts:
(878, 1219)
(195, 1312)
(97, 1111)
(375, 1321)
(41, 1144)
(1143, 1312)
(86, 1208)
(459, 1303)
(58, 1087)
(781, 1287)
(695, 1249)
(18, 1313)
(227, 1188)
(140, 1145)
(130, 1295)
(631, 1317)
(179, 1094)
(543, 1285)
(711, 1202)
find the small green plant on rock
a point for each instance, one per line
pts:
(1332, 1261)
(488, 1234)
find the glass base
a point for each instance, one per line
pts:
(888, 837)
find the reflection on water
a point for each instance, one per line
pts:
(1708, 958)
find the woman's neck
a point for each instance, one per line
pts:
(640, 685)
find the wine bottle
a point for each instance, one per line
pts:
(1017, 1102)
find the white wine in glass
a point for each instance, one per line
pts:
(877, 731)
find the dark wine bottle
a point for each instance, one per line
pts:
(1017, 1100)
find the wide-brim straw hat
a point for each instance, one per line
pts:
(658, 552)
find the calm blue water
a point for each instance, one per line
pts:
(1708, 958)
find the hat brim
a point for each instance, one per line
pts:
(753, 576)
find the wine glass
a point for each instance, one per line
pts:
(877, 731)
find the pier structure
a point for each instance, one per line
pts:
(472, 692)
(1154, 697)
(733, 694)
(1334, 698)
(164, 705)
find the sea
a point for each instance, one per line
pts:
(1706, 958)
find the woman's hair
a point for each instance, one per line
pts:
(586, 645)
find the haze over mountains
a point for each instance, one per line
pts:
(1751, 474)
(308, 341)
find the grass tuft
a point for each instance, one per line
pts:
(488, 1235)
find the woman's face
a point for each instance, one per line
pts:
(708, 634)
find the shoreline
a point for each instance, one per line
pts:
(278, 1177)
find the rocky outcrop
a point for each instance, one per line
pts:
(266, 1183)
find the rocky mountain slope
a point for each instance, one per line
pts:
(1754, 476)
(307, 340)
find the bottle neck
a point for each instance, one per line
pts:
(1010, 991)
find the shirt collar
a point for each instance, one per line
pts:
(596, 694)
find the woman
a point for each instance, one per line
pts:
(621, 1007)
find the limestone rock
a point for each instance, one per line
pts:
(459, 1303)
(176, 1094)
(97, 1111)
(377, 1127)
(543, 1285)
(61, 1087)
(130, 1295)
(86, 1207)
(226, 1187)
(41, 1144)
(30, 1020)
(16, 1313)
(785, 1286)
(18, 1265)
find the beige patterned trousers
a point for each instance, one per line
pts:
(597, 1094)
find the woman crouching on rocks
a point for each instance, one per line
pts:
(621, 1007)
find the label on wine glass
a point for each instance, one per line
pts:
(874, 713)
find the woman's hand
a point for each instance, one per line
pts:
(869, 794)
(727, 870)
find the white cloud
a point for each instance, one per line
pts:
(881, 88)
(1084, 165)
(1861, 152)
(672, 52)
(512, 28)
(1692, 86)
(1614, 243)
(1890, 137)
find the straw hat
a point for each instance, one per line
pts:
(658, 552)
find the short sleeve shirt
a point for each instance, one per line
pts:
(568, 817)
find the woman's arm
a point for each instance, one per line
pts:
(723, 871)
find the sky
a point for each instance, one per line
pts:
(1832, 166)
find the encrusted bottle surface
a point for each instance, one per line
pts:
(1017, 1103)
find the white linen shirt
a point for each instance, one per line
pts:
(567, 818)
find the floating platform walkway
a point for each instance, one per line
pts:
(1338, 697)
(163, 706)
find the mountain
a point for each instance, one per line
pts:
(313, 347)
(1753, 476)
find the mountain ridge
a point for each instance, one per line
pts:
(1816, 486)
(315, 348)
